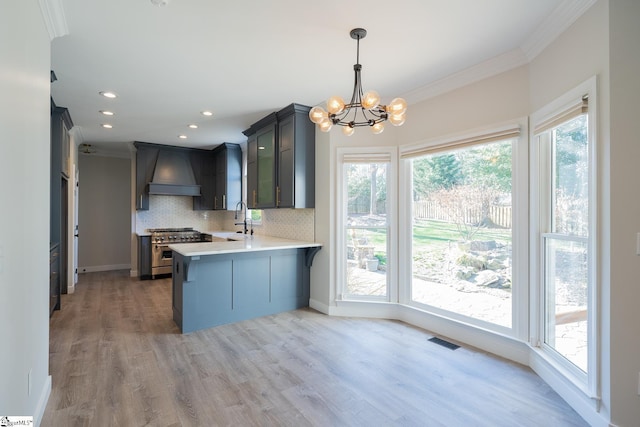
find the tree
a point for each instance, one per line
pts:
(433, 173)
(488, 165)
(467, 207)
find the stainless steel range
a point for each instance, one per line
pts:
(161, 238)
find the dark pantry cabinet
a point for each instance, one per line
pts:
(54, 279)
(61, 124)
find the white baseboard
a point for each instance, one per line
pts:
(321, 307)
(96, 268)
(133, 273)
(42, 401)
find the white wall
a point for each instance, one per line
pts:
(624, 327)
(501, 98)
(104, 215)
(24, 208)
(579, 53)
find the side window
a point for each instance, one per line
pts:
(564, 200)
(366, 215)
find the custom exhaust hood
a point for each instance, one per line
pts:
(173, 175)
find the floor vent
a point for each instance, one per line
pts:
(449, 345)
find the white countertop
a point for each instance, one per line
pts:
(239, 243)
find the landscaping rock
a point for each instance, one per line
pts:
(483, 245)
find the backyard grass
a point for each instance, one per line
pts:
(430, 231)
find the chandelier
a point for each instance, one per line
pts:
(364, 109)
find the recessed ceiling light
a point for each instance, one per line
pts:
(207, 113)
(106, 113)
(108, 94)
(107, 126)
(193, 126)
(182, 136)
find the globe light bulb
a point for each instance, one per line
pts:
(335, 105)
(377, 128)
(397, 106)
(325, 125)
(370, 100)
(397, 119)
(348, 130)
(317, 115)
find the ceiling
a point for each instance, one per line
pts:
(243, 59)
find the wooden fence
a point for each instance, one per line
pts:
(498, 214)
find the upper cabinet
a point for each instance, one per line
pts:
(204, 171)
(146, 156)
(212, 177)
(227, 160)
(261, 163)
(281, 160)
(296, 158)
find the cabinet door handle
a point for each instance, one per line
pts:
(215, 202)
(140, 200)
(254, 198)
(224, 201)
(277, 196)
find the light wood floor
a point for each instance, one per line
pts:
(117, 359)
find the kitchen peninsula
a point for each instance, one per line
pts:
(237, 277)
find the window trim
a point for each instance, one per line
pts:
(561, 107)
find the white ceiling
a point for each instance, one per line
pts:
(243, 59)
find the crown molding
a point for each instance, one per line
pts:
(483, 70)
(54, 18)
(562, 17)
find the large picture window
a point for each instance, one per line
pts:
(462, 239)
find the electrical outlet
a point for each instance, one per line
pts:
(638, 244)
(29, 382)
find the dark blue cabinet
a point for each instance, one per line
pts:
(281, 160)
(211, 290)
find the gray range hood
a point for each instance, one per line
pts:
(173, 175)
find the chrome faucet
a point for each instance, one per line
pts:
(244, 222)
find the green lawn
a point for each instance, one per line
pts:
(433, 233)
(430, 232)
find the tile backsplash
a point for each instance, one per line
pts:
(177, 211)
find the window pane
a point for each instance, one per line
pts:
(462, 233)
(566, 277)
(367, 262)
(571, 189)
(366, 194)
(566, 299)
(366, 229)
